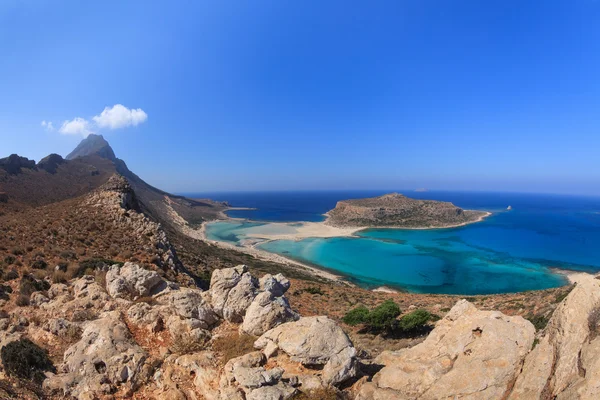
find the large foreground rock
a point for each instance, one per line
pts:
(471, 354)
(566, 362)
(105, 358)
(270, 307)
(232, 290)
(314, 341)
(130, 280)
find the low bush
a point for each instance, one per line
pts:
(26, 360)
(594, 322)
(18, 251)
(356, 316)
(10, 275)
(59, 277)
(22, 300)
(539, 321)
(29, 285)
(383, 317)
(39, 264)
(414, 321)
(9, 260)
(314, 290)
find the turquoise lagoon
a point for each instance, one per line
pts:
(511, 251)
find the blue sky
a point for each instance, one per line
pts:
(283, 95)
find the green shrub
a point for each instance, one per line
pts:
(29, 285)
(314, 290)
(39, 264)
(9, 260)
(414, 321)
(539, 321)
(383, 317)
(356, 316)
(26, 360)
(10, 275)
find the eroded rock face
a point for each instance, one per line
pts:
(270, 307)
(132, 281)
(190, 305)
(232, 290)
(266, 312)
(470, 354)
(105, 358)
(249, 374)
(314, 341)
(565, 364)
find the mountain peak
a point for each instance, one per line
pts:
(93, 145)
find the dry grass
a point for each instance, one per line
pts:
(73, 334)
(319, 394)
(233, 345)
(594, 323)
(185, 343)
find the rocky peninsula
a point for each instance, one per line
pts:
(397, 211)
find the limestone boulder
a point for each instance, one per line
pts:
(315, 341)
(204, 366)
(37, 299)
(266, 312)
(277, 284)
(248, 373)
(131, 280)
(565, 364)
(57, 289)
(105, 359)
(232, 290)
(470, 354)
(59, 326)
(189, 304)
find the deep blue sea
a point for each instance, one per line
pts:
(510, 251)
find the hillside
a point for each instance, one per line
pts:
(102, 295)
(398, 211)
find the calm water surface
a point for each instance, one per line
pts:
(508, 252)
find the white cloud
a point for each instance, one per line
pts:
(119, 116)
(48, 125)
(76, 126)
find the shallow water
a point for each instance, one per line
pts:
(508, 252)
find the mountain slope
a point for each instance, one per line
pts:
(157, 203)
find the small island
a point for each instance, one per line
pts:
(397, 211)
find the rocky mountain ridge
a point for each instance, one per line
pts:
(398, 211)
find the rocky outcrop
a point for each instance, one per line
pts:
(104, 359)
(314, 341)
(396, 210)
(117, 199)
(232, 290)
(470, 354)
(14, 163)
(270, 307)
(50, 163)
(565, 364)
(130, 281)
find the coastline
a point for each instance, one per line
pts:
(200, 234)
(305, 230)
